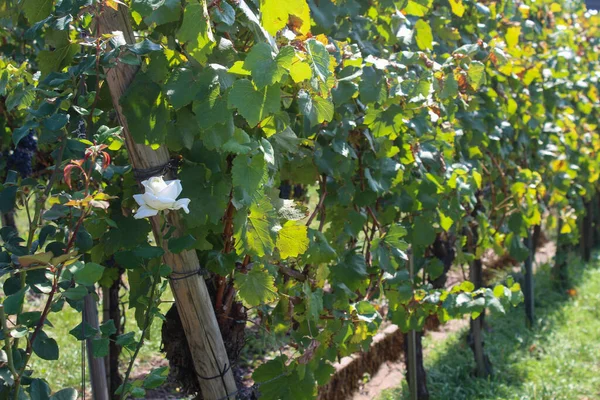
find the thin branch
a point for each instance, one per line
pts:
(227, 248)
(292, 273)
(372, 214)
(323, 184)
(322, 218)
(501, 172)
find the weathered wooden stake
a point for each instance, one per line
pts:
(483, 367)
(587, 231)
(191, 294)
(528, 289)
(97, 367)
(412, 344)
(559, 273)
(111, 311)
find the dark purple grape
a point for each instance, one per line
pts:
(28, 143)
(285, 190)
(298, 192)
(20, 161)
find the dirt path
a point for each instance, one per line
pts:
(390, 374)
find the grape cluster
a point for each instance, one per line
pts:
(298, 191)
(28, 143)
(288, 190)
(21, 157)
(285, 190)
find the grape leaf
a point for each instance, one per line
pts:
(249, 175)
(512, 36)
(62, 53)
(319, 59)
(195, 33)
(210, 105)
(253, 232)
(424, 35)
(300, 71)
(37, 10)
(256, 287)
(276, 13)
(317, 109)
(476, 74)
(181, 87)
(314, 302)
(292, 239)
(458, 8)
(265, 69)
(252, 103)
(351, 270)
(423, 231)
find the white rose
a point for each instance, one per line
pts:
(159, 196)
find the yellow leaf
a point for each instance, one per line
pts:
(322, 38)
(531, 75)
(457, 7)
(103, 196)
(424, 35)
(61, 259)
(36, 259)
(525, 10)
(565, 228)
(512, 36)
(292, 240)
(300, 71)
(238, 69)
(477, 178)
(416, 9)
(73, 203)
(445, 221)
(276, 14)
(112, 4)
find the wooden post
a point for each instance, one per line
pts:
(475, 337)
(537, 233)
(587, 231)
(482, 363)
(111, 311)
(191, 294)
(559, 273)
(97, 367)
(596, 208)
(412, 343)
(528, 290)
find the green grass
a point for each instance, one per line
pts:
(558, 359)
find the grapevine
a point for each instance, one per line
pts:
(320, 147)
